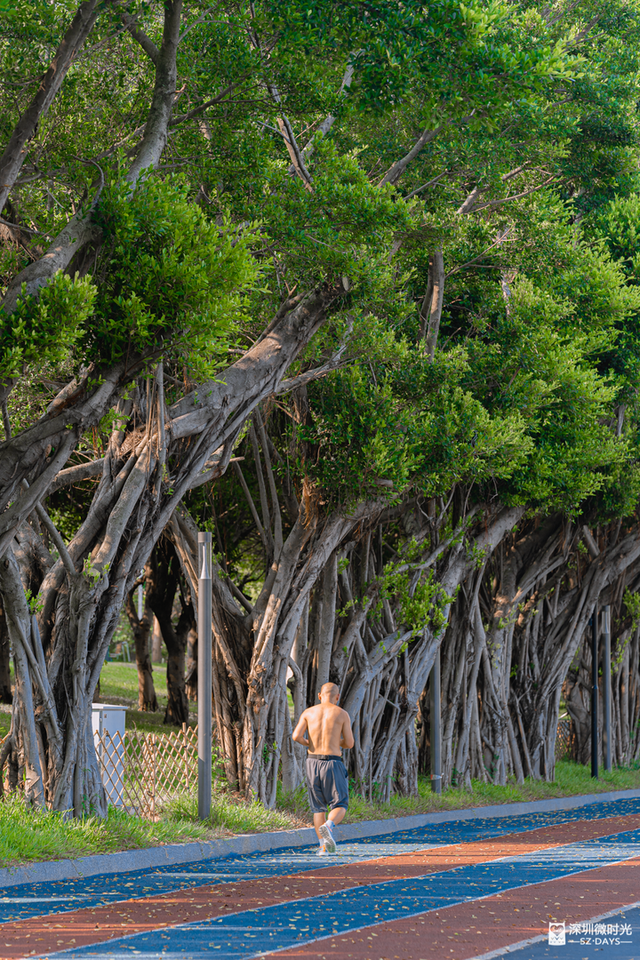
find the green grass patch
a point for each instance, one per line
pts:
(27, 835)
(572, 779)
(235, 815)
(119, 684)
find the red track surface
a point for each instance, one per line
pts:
(470, 929)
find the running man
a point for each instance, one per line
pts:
(324, 730)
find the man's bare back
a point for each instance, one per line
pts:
(327, 728)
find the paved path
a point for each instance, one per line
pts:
(450, 891)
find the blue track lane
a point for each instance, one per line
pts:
(262, 930)
(36, 899)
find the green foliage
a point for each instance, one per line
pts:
(538, 345)
(421, 600)
(632, 603)
(620, 224)
(457, 57)
(44, 330)
(169, 279)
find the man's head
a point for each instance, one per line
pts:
(329, 693)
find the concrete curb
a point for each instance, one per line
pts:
(175, 853)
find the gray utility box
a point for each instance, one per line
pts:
(108, 735)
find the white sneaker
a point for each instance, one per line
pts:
(326, 833)
(322, 851)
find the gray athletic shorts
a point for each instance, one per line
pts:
(328, 784)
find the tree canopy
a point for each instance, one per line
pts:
(352, 284)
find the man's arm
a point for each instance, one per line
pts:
(347, 733)
(301, 732)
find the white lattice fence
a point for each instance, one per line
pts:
(563, 739)
(142, 771)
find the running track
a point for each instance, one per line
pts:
(452, 891)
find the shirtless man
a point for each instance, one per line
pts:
(324, 730)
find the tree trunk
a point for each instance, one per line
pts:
(177, 711)
(162, 576)
(316, 619)
(147, 700)
(625, 700)
(156, 642)
(80, 598)
(6, 694)
(191, 679)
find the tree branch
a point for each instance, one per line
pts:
(140, 36)
(328, 122)
(277, 521)
(14, 154)
(57, 539)
(294, 151)
(6, 422)
(252, 506)
(429, 183)
(397, 169)
(437, 299)
(501, 237)
(209, 103)
(264, 503)
(82, 471)
(292, 383)
(155, 132)
(492, 204)
(53, 532)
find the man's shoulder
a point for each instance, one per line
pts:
(311, 711)
(338, 711)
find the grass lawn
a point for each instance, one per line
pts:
(572, 779)
(119, 684)
(28, 836)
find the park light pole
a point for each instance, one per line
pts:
(204, 676)
(606, 688)
(594, 693)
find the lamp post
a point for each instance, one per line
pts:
(594, 693)
(435, 725)
(606, 688)
(204, 676)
